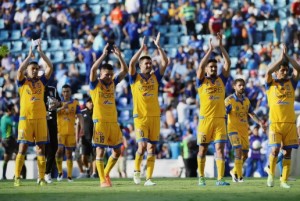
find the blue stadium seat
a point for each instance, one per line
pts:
(1, 23)
(258, 37)
(172, 42)
(234, 61)
(57, 57)
(15, 35)
(105, 9)
(54, 45)
(81, 2)
(44, 45)
(7, 44)
(269, 37)
(127, 54)
(122, 102)
(282, 12)
(67, 44)
(17, 46)
(96, 9)
(162, 29)
(172, 52)
(184, 40)
(93, 2)
(4, 35)
(69, 57)
(124, 115)
(198, 27)
(82, 68)
(97, 19)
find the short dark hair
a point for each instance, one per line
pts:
(33, 63)
(66, 86)
(285, 64)
(145, 57)
(239, 80)
(9, 107)
(212, 60)
(107, 66)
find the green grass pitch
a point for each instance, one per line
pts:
(166, 190)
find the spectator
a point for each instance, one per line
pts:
(295, 8)
(237, 25)
(251, 29)
(173, 14)
(20, 18)
(215, 22)
(130, 31)
(189, 17)
(265, 11)
(116, 16)
(133, 7)
(277, 31)
(34, 14)
(88, 57)
(290, 35)
(204, 15)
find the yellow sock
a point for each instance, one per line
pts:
(272, 163)
(19, 164)
(220, 168)
(201, 166)
(238, 166)
(100, 169)
(150, 165)
(286, 167)
(69, 167)
(59, 165)
(41, 162)
(110, 164)
(137, 162)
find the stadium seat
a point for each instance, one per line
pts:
(184, 40)
(282, 12)
(45, 45)
(17, 46)
(198, 27)
(93, 2)
(105, 9)
(127, 54)
(96, 9)
(4, 35)
(67, 44)
(260, 25)
(172, 52)
(69, 57)
(162, 29)
(174, 29)
(82, 68)
(269, 37)
(54, 45)
(81, 2)
(122, 102)
(15, 35)
(234, 61)
(7, 44)
(97, 19)
(2, 24)
(57, 57)
(124, 115)
(258, 37)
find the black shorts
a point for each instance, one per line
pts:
(87, 147)
(10, 145)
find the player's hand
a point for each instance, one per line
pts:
(210, 44)
(143, 46)
(263, 126)
(105, 50)
(219, 37)
(116, 51)
(81, 132)
(156, 40)
(39, 46)
(30, 53)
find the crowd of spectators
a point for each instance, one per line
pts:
(74, 33)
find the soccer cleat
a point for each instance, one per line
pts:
(149, 183)
(42, 182)
(234, 176)
(107, 179)
(17, 182)
(284, 185)
(222, 182)
(270, 181)
(201, 181)
(137, 177)
(105, 185)
(70, 179)
(59, 177)
(94, 176)
(241, 180)
(48, 178)
(81, 176)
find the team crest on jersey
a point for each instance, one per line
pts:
(237, 108)
(100, 133)
(151, 80)
(28, 91)
(142, 81)
(218, 83)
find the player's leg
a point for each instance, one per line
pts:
(41, 162)
(201, 159)
(59, 160)
(235, 141)
(150, 164)
(100, 166)
(69, 151)
(20, 162)
(220, 161)
(116, 152)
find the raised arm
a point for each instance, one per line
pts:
(23, 66)
(93, 72)
(124, 67)
(164, 60)
(294, 63)
(227, 64)
(49, 65)
(258, 121)
(273, 67)
(203, 63)
(134, 59)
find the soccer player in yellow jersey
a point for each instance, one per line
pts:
(282, 118)
(33, 125)
(212, 128)
(238, 108)
(107, 132)
(146, 109)
(66, 116)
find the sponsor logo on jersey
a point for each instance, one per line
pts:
(107, 102)
(147, 94)
(281, 102)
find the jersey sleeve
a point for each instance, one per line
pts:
(132, 78)
(20, 83)
(228, 105)
(93, 84)
(44, 80)
(267, 85)
(158, 76)
(223, 78)
(199, 82)
(116, 79)
(294, 83)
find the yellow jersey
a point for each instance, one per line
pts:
(103, 97)
(66, 118)
(32, 105)
(237, 111)
(145, 94)
(212, 94)
(281, 97)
